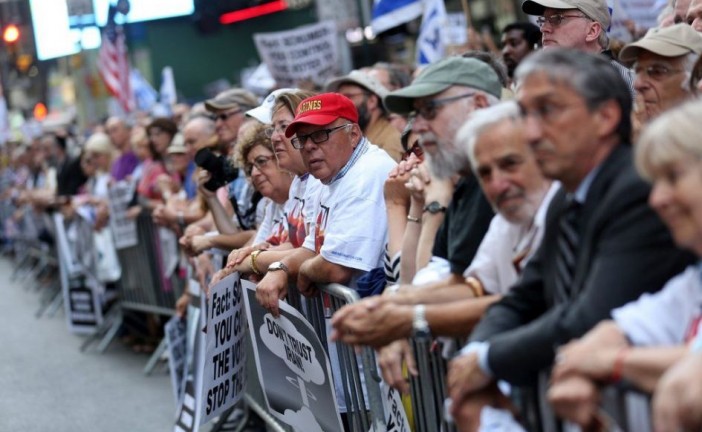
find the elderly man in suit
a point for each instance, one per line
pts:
(603, 246)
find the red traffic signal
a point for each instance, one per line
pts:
(10, 33)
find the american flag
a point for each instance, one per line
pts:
(113, 65)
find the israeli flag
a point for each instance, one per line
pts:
(431, 40)
(144, 95)
(391, 13)
(168, 88)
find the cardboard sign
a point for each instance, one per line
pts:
(292, 366)
(306, 53)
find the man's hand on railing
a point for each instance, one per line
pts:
(305, 286)
(391, 359)
(272, 288)
(677, 400)
(181, 305)
(375, 321)
(576, 399)
(463, 379)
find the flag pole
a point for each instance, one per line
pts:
(466, 11)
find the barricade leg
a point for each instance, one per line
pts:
(153, 360)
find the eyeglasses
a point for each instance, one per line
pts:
(260, 163)
(269, 131)
(556, 19)
(656, 72)
(225, 115)
(317, 137)
(429, 109)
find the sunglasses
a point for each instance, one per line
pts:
(225, 115)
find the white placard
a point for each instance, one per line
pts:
(124, 230)
(292, 366)
(305, 53)
(224, 378)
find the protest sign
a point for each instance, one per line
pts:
(292, 366)
(395, 416)
(186, 416)
(176, 342)
(124, 230)
(223, 375)
(168, 243)
(187, 413)
(80, 290)
(642, 12)
(305, 53)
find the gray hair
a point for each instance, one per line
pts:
(592, 76)
(672, 137)
(480, 121)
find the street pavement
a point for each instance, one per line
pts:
(47, 384)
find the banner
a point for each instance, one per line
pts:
(306, 53)
(124, 230)
(175, 331)
(224, 378)
(292, 366)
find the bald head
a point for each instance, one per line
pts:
(119, 132)
(198, 132)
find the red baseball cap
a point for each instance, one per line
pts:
(321, 110)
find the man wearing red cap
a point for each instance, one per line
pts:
(349, 219)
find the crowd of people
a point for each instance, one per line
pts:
(541, 205)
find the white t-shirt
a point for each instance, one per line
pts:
(303, 191)
(668, 317)
(350, 222)
(494, 263)
(273, 227)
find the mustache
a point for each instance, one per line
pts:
(509, 194)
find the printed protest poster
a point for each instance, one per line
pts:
(187, 413)
(176, 333)
(223, 377)
(169, 251)
(395, 416)
(124, 230)
(293, 367)
(305, 53)
(80, 291)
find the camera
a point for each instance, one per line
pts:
(221, 169)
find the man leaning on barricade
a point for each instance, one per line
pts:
(451, 219)
(342, 246)
(603, 246)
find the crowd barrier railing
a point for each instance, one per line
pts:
(621, 408)
(359, 372)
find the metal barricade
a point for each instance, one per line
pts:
(144, 286)
(359, 373)
(428, 388)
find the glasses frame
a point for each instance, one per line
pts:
(557, 19)
(248, 167)
(299, 141)
(270, 131)
(663, 73)
(429, 111)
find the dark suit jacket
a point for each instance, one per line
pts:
(624, 251)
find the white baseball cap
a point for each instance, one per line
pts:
(263, 112)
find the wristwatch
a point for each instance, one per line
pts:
(275, 266)
(420, 326)
(434, 207)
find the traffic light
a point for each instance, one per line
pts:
(10, 34)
